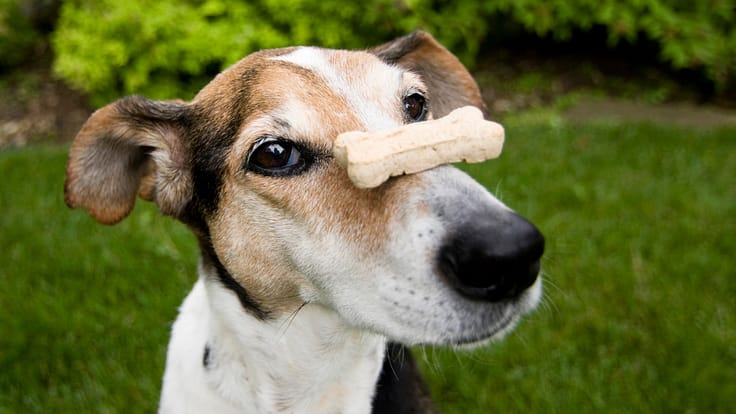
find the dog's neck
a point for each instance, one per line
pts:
(309, 361)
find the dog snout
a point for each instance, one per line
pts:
(492, 258)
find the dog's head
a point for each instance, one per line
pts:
(247, 164)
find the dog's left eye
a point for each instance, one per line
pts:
(271, 156)
(415, 106)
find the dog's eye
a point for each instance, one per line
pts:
(271, 156)
(415, 106)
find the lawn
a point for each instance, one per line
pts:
(639, 312)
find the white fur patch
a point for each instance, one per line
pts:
(308, 362)
(374, 92)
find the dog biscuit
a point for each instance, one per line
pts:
(462, 135)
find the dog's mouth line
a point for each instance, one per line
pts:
(507, 321)
(481, 331)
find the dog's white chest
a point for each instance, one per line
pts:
(308, 364)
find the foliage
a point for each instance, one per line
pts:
(170, 48)
(698, 35)
(638, 314)
(17, 34)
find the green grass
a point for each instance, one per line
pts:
(639, 312)
(86, 308)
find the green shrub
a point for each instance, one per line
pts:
(171, 48)
(698, 35)
(17, 34)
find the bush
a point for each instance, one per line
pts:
(17, 34)
(699, 35)
(171, 48)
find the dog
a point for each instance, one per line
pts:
(310, 289)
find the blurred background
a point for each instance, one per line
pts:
(621, 146)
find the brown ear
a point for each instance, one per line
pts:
(450, 84)
(132, 146)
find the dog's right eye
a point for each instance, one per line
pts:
(275, 157)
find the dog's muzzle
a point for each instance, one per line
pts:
(492, 258)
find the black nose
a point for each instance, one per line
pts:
(492, 258)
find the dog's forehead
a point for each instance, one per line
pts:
(348, 72)
(371, 88)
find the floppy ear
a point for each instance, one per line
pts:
(132, 146)
(450, 84)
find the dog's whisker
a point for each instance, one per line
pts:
(287, 322)
(395, 354)
(429, 354)
(498, 192)
(547, 302)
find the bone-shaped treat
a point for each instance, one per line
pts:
(462, 135)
